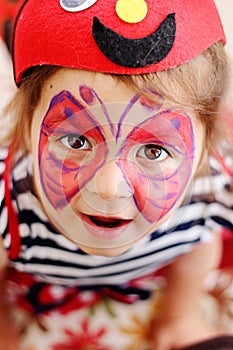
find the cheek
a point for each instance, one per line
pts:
(62, 179)
(157, 190)
(155, 195)
(64, 172)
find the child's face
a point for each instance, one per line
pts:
(110, 168)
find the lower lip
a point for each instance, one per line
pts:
(103, 232)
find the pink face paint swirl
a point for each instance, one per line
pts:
(157, 189)
(63, 173)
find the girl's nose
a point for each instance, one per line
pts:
(109, 183)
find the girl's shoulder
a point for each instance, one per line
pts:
(3, 156)
(207, 206)
(17, 172)
(216, 185)
(214, 192)
(16, 190)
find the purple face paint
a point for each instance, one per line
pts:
(65, 171)
(158, 185)
(90, 97)
(74, 146)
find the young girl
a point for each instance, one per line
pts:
(112, 198)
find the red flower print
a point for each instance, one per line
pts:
(85, 339)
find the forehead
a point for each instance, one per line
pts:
(106, 93)
(109, 88)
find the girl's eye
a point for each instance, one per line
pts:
(75, 142)
(153, 152)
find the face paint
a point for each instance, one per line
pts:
(152, 148)
(62, 173)
(90, 97)
(158, 185)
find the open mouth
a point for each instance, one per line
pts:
(106, 222)
(104, 227)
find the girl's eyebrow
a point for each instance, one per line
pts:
(66, 114)
(170, 127)
(62, 106)
(148, 102)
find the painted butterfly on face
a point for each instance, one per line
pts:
(73, 147)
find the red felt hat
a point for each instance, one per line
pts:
(121, 37)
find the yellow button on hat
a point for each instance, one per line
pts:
(131, 11)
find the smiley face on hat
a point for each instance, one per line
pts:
(110, 36)
(122, 50)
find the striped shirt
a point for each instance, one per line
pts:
(52, 258)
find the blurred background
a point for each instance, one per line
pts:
(225, 8)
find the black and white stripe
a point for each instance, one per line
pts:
(54, 259)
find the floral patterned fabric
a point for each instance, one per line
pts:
(100, 320)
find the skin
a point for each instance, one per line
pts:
(121, 135)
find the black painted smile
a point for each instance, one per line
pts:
(135, 53)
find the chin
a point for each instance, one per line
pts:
(107, 252)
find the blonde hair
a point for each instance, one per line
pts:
(198, 84)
